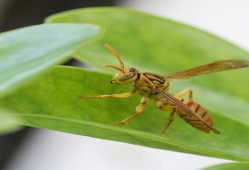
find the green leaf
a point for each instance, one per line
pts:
(54, 102)
(159, 45)
(8, 122)
(229, 166)
(28, 51)
(151, 44)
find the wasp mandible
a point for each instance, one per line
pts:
(156, 87)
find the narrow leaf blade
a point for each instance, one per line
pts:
(28, 51)
(8, 122)
(59, 107)
(229, 166)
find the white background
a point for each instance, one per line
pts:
(49, 150)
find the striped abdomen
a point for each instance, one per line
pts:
(201, 120)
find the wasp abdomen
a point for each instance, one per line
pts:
(193, 120)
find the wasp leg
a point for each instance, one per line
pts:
(179, 95)
(170, 120)
(139, 110)
(164, 106)
(122, 95)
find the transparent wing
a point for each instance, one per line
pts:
(217, 66)
(184, 107)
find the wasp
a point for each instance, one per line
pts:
(156, 87)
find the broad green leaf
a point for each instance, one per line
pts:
(54, 102)
(28, 51)
(8, 122)
(159, 45)
(229, 166)
(152, 44)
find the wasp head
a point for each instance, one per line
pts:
(125, 75)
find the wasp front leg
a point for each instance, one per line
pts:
(139, 110)
(121, 95)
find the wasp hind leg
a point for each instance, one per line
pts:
(170, 120)
(182, 93)
(166, 107)
(139, 110)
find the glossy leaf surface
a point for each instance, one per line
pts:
(28, 51)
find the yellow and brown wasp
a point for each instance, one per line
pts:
(153, 86)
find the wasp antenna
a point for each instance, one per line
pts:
(114, 67)
(117, 56)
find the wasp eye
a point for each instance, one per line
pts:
(132, 69)
(131, 74)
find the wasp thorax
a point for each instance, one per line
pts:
(128, 75)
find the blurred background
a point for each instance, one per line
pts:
(39, 149)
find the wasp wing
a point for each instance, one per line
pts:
(216, 66)
(184, 107)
